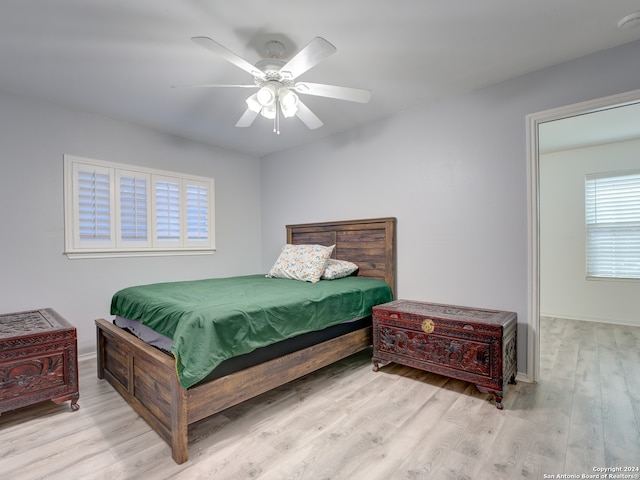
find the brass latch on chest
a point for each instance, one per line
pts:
(427, 325)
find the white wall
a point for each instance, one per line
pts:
(34, 136)
(564, 291)
(453, 173)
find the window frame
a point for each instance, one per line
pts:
(77, 247)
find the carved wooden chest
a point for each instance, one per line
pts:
(475, 345)
(38, 359)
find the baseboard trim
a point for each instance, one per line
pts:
(87, 356)
(590, 319)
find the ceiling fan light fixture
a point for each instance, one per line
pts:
(277, 94)
(267, 94)
(288, 102)
(253, 104)
(269, 111)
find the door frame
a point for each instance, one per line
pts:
(533, 206)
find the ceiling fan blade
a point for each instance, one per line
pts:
(313, 53)
(308, 117)
(213, 85)
(247, 118)
(333, 91)
(228, 55)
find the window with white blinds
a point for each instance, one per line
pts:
(612, 207)
(114, 209)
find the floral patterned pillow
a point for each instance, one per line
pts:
(301, 262)
(338, 269)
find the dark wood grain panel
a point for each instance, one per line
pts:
(116, 361)
(152, 390)
(371, 244)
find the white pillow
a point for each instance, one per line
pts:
(338, 269)
(301, 262)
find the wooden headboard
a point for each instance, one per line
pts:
(370, 243)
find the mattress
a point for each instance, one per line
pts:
(256, 357)
(210, 321)
(144, 333)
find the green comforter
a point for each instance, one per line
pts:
(216, 319)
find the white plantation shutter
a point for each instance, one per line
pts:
(92, 209)
(167, 210)
(94, 206)
(113, 209)
(612, 207)
(197, 212)
(133, 194)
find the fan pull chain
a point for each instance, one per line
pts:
(276, 120)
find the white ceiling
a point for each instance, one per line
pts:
(614, 124)
(119, 58)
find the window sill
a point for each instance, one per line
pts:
(73, 255)
(612, 279)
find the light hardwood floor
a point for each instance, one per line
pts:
(348, 422)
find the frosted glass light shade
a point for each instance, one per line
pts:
(267, 94)
(253, 104)
(269, 111)
(288, 102)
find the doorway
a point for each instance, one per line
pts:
(534, 122)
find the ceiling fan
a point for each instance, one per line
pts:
(275, 82)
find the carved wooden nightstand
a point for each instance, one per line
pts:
(471, 344)
(38, 359)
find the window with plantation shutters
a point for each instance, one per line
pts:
(114, 209)
(197, 212)
(612, 207)
(135, 210)
(168, 210)
(93, 209)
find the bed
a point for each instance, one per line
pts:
(147, 378)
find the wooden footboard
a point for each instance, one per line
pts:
(147, 380)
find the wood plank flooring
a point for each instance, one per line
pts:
(348, 422)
